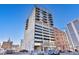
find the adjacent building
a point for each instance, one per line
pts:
(21, 44)
(73, 34)
(16, 48)
(7, 45)
(0, 45)
(39, 30)
(61, 41)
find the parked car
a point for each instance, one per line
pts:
(9, 52)
(23, 51)
(41, 53)
(35, 52)
(53, 52)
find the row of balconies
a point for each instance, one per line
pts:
(44, 18)
(51, 24)
(39, 26)
(44, 35)
(44, 13)
(43, 31)
(41, 34)
(37, 10)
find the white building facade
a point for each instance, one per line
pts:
(73, 34)
(38, 33)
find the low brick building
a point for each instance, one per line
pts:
(60, 40)
(7, 45)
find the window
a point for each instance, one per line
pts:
(37, 19)
(38, 38)
(37, 9)
(27, 24)
(44, 20)
(37, 13)
(44, 12)
(38, 34)
(46, 39)
(44, 16)
(45, 36)
(45, 30)
(38, 26)
(38, 31)
(52, 39)
(49, 15)
(45, 33)
(38, 41)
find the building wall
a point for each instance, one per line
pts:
(46, 28)
(73, 33)
(29, 33)
(7, 45)
(69, 39)
(16, 48)
(0, 45)
(60, 40)
(34, 40)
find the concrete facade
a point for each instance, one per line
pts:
(38, 31)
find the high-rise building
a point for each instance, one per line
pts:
(61, 41)
(38, 31)
(73, 34)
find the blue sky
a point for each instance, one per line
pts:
(13, 18)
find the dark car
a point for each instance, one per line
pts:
(9, 52)
(23, 51)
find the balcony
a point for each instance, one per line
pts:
(51, 24)
(44, 16)
(37, 13)
(52, 39)
(37, 19)
(38, 41)
(45, 20)
(49, 15)
(46, 39)
(37, 16)
(44, 12)
(37, 8)
(46, 36)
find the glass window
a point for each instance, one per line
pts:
(38, 38)
(38, 34)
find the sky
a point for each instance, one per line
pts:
(14, 16)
